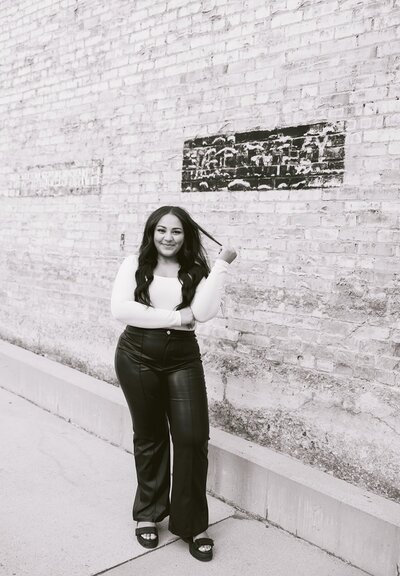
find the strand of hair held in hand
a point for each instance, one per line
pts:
(209, 235)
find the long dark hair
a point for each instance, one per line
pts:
(192, 257)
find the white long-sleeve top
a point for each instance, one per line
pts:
(165, 294)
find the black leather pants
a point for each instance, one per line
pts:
(161, 375)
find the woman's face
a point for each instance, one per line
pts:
(168, 236)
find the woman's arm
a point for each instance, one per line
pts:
(126, 310)
(208, 296)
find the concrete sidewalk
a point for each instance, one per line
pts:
(66, 499)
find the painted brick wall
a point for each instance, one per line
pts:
(97, 100)
(310, 156)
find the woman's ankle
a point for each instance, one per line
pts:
(145, 523)
(203, 534)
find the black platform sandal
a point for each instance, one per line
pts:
(147, 542)
(194, 546)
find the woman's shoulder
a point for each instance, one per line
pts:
(130, 262)
(132, 258)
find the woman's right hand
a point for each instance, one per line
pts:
(187, 317)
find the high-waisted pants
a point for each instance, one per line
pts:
(161, 375)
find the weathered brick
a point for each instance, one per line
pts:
(263, 12)
(313, 293)
(283, 18)
(394, 147)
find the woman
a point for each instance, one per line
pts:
(160, 295)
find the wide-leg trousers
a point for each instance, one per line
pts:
(161, 374)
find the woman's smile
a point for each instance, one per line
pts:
(168, 236)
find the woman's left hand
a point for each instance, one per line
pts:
(227, 253)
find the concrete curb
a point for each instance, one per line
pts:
(351, 523)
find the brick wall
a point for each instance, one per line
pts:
(97, 101)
